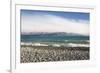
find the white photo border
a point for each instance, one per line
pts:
(16, 66)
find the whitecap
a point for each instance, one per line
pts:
(39, 44)
(56, 45)
(78, 45)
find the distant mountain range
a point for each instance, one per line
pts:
(52, 33)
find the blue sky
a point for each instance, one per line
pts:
(54, 21)
(70, 15)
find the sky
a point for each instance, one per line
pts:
(54, 21)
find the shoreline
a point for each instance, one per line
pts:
(54, 44)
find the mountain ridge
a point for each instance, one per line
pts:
(52, 33)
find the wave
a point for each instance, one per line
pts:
(55, 44)
(78, 45)
(34, 44)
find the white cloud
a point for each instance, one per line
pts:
(51, 23)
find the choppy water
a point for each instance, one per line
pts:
(58, 40)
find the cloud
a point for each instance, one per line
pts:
(52, 23)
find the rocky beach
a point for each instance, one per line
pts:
(29, 53)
